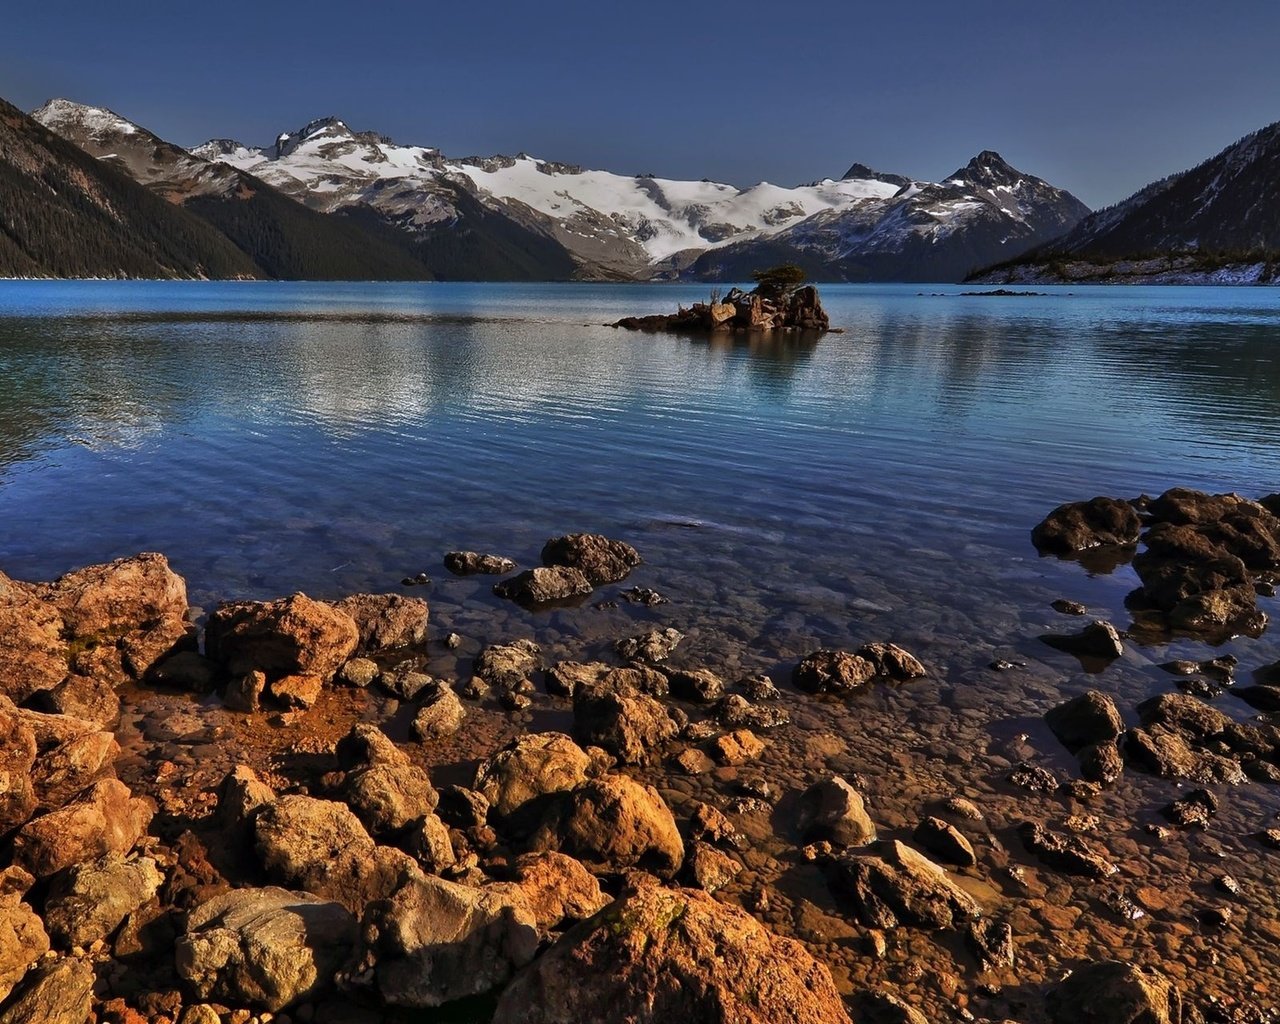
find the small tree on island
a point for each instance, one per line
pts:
(778, 281)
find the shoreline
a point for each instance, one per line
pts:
(906, 747)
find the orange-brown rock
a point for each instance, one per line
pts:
(386, 621)
(107, 818)
(292, 636)
(657, 955)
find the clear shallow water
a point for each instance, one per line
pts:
(879, 484)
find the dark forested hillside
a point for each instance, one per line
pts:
(65, 214)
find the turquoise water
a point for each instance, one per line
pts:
(329, 438)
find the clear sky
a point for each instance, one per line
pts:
(1098, 97)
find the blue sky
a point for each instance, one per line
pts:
(1099, 98)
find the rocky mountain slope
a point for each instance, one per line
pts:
(64, 214)
(283, 238)
(1218, 221)
(866, 225)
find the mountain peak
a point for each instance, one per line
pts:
(331, 128)
(987, 168)
(861, 172)
(61, 114)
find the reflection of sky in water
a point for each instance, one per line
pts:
(262, 434)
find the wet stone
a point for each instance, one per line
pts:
(1068, 853)
(653, 646)
(1034, 777)
(1193, 810)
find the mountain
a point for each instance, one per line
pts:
(1216, 223)
(867, 225)
(923, 232)
(283, 237)
(65, 214)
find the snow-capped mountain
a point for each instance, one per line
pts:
(923, 232)
(619, 226)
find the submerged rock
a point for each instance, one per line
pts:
(653, 646)
(657, 955)
(1089, 718)
(832, 672)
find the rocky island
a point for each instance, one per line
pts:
(294, 815)
(780, 301)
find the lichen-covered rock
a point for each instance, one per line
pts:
(1111, 992)
(267, 948)
(1089, 718)
(53, 992)
(1080, 525)
(894, 885)
(89, 901)
(433, 941)
(321, 846)
(832, 672)
(833, 811)
(509, 666)
(660, 955)
(612, 824)
(292, 636)
(598, 558)
(531, 766)
(441, 715)
(386, 621)
(544, 585)
(105, 819)
(628, 725)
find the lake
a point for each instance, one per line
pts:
(878, 484)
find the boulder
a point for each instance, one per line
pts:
(1183, 714)
(1111, 992)
(17, 756)
(652, 647)
(895, 885)
(441, 715)
(737, 747)
(388, 798)
(543, 585)
(627, 725)
(320, 846)
(531, 766)
(1101, 762)
(1162, 752)
(105, 819)
(386, 621)
(143, 651)
(1080, 525)
(657, 955)
(736, 712)
(91, 900)
(359, 672)
(434, 941)
(125, 596)
(33, 648)
(699, 684)
(509, 666)
(73, 754)
(54, 992)
(945, 841)
(431, 846)
(23, 941)
(292, 636)
(297, 691)
(598, 558)
(709, 869)
(832, 672)
(470, 563)
(613, 824)
(91, 699)
(1089, 718)
(240, 797)
(405, 682)
(832, 810)
(267, 948)
(557, 889)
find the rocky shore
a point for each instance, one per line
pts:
(290, 813)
